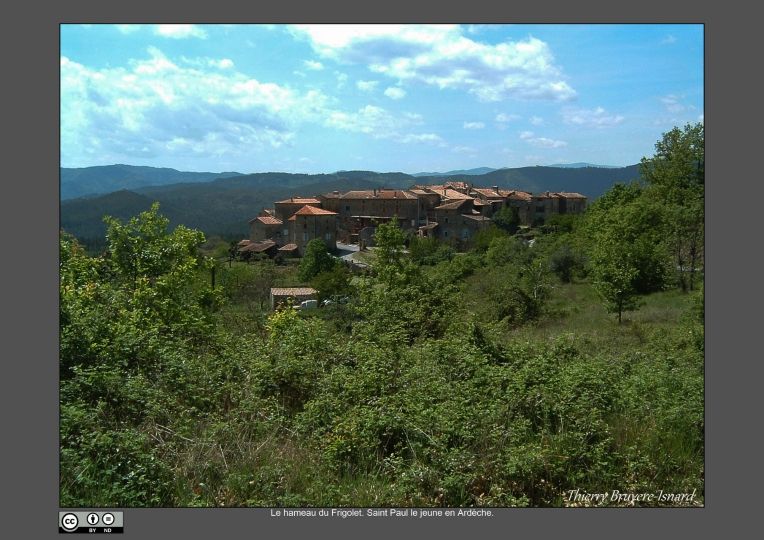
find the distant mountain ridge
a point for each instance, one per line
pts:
(88, 181)
(581, 165)
(223, 206)
(467, 172)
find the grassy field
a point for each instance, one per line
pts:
(575, 309)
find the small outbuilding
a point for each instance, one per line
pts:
(292, 295)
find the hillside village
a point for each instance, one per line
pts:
(451, 212)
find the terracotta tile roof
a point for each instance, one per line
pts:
(430, 226)
(267, 220)
(476, 218)
(299, 200)
(293, 291)
(453, 194)
(379, 194)
(288, 247)
(457, 185)
(489, 193)
(452, 205)
(243, 242)
(516, 195)
(258, 247)
(559, 195)
(312, 211)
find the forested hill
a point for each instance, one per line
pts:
(98, 180)
(223, 206)
(209, 207)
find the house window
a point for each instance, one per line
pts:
(445, 233)
(328, 236)
(446, 220)
(305, 236)
(465, 233)
(285, 232)
(347, 208)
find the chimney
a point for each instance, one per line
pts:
(496, 188)
(336, 191)
(375, 192)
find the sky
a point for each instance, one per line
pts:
(408, 98)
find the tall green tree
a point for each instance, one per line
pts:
(316, 259)
(614, 276)
(627, 254)
(676, 179)
(507, 219)
(390, 241)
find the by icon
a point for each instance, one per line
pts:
(92, 518)
(69, 522)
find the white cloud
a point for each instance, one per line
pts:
(415, 118)
(536, 121)
(668, 40)
(157, 107)
(313, 65)
(380, 124)
(366, 86)
(440, 55)
(701, 118)
(597, 118)
(220, 63)
(128, 28)
(673, 103)
(463, 150)
(180, 31)
(394, 92)
(541, 142)
(474, 125)
(504, 118)
(420, 138)
(342, 78)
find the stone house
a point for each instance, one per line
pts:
(268, 228)
(285, 209)
(359, 209)
(546, 204)
(457, 222)
(310, 222)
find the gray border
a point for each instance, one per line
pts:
(30, 391)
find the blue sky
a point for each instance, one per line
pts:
(322, 98)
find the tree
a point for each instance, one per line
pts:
(613, 278)
(390, 241)
(428, 251)
(676, 179)
(317, 259)
(507, 219)
(563, 261)
(332, 283)
(505, 250)
(633, 225)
